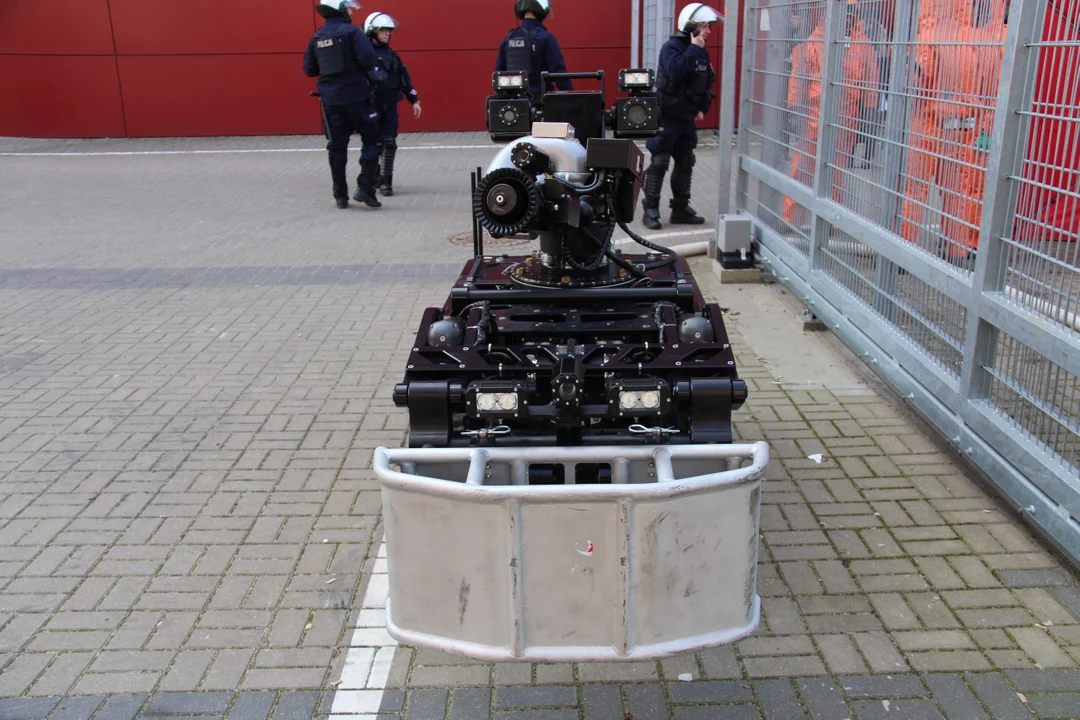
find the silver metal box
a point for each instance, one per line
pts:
(660, 561)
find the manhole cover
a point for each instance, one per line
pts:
(465, 240)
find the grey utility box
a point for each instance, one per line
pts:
(658, 559)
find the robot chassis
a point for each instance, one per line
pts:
(576, 344)
(570, 492)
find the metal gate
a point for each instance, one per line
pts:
(910, 169)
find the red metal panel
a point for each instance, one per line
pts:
(482, 24)
(1057, 95)
(1053, 151)
(67, 27)
(610, 60)
(452, 87)
(591, 24)
(209, 27)
(196, 69)
(456, 103)
(200, 95)
(58, 96)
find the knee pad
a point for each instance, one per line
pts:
(659, 161)
(390, 142)
(686, 160)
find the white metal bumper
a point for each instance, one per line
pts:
(661, 561)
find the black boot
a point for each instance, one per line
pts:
(654, 183)
(386, 166)
(685, 216)
(341, 186)
(681, 179)
(366, 196)
(366, 182)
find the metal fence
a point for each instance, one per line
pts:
(659, 19)
(911, 170)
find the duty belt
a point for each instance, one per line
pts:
(960, 124)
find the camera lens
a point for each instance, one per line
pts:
(637, 114)
(522, 155)
(509, 116)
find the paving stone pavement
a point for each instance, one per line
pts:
(196, 358)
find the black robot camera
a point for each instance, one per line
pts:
(637, 116)
(509, 110)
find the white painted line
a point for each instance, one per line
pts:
(226, 151)
(233, 151)
(371, 652)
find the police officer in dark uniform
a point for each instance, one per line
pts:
(346, 65)
(532, 49)
(685, 78)
(379, 27)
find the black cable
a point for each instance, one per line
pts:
(642, 241)
(627, 266)
(667, 261)
(482, 324)
(603, 245)
(635, 270)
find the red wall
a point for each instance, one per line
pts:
(114, 68)
(1053, 154)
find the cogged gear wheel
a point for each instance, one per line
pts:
(507, 201)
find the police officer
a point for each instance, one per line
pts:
(346, 65)
(532, 49)
(684, 78)
(379, 27)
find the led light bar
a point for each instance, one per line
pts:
(505, 81)
(497, 402)
(637, 79)
(630, 400)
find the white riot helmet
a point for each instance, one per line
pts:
(696, 14)
(332, 8)
(378, 21)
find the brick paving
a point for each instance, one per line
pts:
(196, 357)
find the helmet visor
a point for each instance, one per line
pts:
(704, 14)
(350, 5)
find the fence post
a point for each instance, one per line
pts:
(901, 78)
(777, 68)
(746, 106)
(832, 73)
(727, 106)
(1007, 148)
(635, 33)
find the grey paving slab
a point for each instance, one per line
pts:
(196, 358)
(603, 702)
(29, 708)
(252, 706)
(77, 708)
(468, 703)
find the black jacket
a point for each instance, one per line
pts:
(341, 56)
(545, 55)
(685, 78)
(397, 82)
